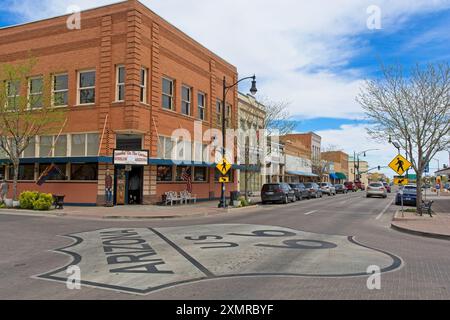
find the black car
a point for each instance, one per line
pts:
(340, 188)
(277, 192)
(313, 190)
(300, 191)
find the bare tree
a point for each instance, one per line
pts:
(414, 109)
(25, 112)
(278, 118)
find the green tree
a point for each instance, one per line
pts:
(25, 111)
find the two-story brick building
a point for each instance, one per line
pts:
(128, 79)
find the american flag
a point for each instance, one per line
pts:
(187, 176)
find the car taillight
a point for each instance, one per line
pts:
(278, 190)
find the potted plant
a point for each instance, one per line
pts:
(9, 203)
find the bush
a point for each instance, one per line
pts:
(33, 200)
(27, 199)
(44, 202)
(244, 203)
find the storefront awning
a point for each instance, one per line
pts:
(333, 176)
(341, 176)
(301, 173)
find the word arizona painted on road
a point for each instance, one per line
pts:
(127, 247)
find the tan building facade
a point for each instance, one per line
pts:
(340, 162)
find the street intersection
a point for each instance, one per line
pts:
(317, 249)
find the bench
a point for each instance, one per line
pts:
(426, 206)
(172, 197)
(188, 197)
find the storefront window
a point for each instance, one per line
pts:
(84, 171)
(26, 172)
(164, 173)
(180, 171)
(58, 176)
(2, 172)
(201, 174)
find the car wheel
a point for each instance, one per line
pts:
(286, 200)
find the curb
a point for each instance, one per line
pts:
(416, 232)
(31, 213)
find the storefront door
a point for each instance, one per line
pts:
(129, 185)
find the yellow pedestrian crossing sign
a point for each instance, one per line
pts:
(400, 181)
(224, 179)
(400, 164)
(223, 166)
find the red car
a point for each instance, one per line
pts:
(350, 186)
(360, 185)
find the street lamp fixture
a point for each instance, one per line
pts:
(226, 88)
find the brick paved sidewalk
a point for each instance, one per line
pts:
(436, 227)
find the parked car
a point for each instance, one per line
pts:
(328, 188)
(409, 194)
(277, 192)
(350, 186)
(360, 186)
(376, 189)
(340, 188)
(313, 190)
(387, 187)
(300, 191)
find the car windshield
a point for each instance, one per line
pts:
(271, 187)
(376, 185)
(308, 185)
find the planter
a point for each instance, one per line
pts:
(236, 203)
(9, 203)
(16, 204)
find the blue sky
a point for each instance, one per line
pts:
(314, 55)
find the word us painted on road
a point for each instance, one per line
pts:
(143, 260)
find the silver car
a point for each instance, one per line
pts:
(328, 188)
(376, 189)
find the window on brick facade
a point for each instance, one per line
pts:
(200, 174)
(84, 144)
(120, 83)
(186, 100)
(60, 88)
(143, 85)
(86, 87)
(167, 94)
(201, 102)
(219, 112)
(26, 172)
(35, 92)
(164, 173)
(13, 93)
(84, 171)
(30, 151)
(61, 175)
(228, 118)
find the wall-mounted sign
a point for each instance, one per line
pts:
(135, 158)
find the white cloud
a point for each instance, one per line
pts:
(278, 40)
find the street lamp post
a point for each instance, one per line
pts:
(253, 91)
(356, 160)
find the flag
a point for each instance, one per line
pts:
(187, 176)
(49, 172)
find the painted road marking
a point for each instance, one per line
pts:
(384, 210)
(142, 260)
(311, 212)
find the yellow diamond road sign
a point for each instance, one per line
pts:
(400, 164)
(223, 166)
(400, 181)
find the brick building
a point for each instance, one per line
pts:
(340, 161)
(128, 79)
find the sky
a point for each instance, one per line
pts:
(314, 55)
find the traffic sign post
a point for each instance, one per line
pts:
(223, 166)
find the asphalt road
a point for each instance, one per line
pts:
(316, 249)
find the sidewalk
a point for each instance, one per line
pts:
(436, 227)
(201, 209)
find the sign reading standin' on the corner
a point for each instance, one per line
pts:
(136, 158)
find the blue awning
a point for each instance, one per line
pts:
(333, 176)
(301, 173)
